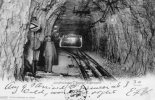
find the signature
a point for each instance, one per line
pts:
(140, 92)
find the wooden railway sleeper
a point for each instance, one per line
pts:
(99, 67)
(82, 70)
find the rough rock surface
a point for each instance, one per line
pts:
(14, 18)
(127, 37)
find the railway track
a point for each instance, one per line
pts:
(87, 64)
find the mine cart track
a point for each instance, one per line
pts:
(85, 63)
(83, 72)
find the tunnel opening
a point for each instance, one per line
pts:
(49, 25)
(53, 21)
(107, 28)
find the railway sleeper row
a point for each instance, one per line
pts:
(87, 63)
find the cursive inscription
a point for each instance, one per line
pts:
(12, 87)
(26, 89)
(80, 90)
(100, 93)
(141, 91)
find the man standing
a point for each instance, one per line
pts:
(50, 54)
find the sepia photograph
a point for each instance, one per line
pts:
(77, 49)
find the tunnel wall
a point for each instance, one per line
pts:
(126, 37)
(14, 18)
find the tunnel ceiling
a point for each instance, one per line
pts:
(75, 12)
(103, 7)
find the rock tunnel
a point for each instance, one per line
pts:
(70, 18)
(77, 38)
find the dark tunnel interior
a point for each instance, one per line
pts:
(90, 33)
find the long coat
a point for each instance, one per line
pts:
(51, 57)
